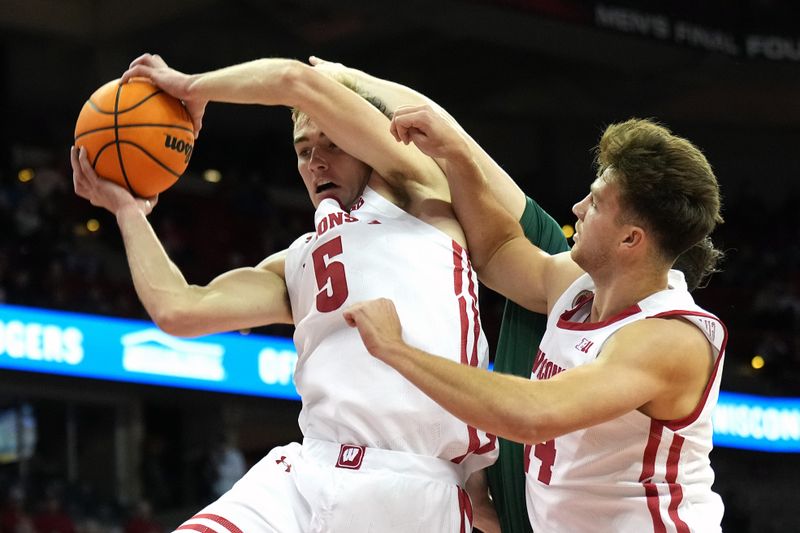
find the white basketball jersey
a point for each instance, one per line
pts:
(379, 250)
(633, 473)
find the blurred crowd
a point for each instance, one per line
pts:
(62, 509)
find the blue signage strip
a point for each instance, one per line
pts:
(757, 422)
(72, 344)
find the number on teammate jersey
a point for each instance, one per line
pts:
(546, 453)
(326, 270)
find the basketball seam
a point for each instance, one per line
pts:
(151, 156)
(116, 141)
(140, 147)
(116, 104)
(188, 130)
(100, 151)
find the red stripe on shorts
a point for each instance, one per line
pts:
(196, 527)
(224, 522)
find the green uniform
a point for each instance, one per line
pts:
(520, 334)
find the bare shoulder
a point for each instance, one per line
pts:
(673, 331)
(672, 356)
(675, 337)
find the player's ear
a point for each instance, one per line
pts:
(634, 237)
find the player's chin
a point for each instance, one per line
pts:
(333, 194)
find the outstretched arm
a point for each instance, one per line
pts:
(242, 298)
(505, 259)
(394, 95)
(346, 118)
(623, 378)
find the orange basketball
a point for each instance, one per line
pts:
(136, 135)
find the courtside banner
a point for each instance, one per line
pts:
(73, 344)
(757, 422)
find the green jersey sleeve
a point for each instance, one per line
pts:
(520, 334)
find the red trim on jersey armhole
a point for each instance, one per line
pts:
(648, 470)
(681, 423)
(564, 319)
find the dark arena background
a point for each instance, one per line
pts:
(534, 81)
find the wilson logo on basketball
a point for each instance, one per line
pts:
(173, 143)
(350, 456)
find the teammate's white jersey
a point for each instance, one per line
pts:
(379, 250)
(633, 473)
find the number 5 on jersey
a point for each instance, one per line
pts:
(331, 279)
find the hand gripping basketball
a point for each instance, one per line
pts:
(136, 135)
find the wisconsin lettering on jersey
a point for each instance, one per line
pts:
(544, 368)
(336, 219)
(333, 220)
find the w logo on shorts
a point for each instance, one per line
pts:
(350, 456)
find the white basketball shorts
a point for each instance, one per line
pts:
(329, 487)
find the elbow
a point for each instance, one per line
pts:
(297, 81)
(537, 427)
(484, 251)
(174, 321)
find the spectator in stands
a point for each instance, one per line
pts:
(52, 518)
(142, 521)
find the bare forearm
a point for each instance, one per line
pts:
(495, 403)
(486, 223)
(262, 81)
(394, 95)
(158, 282)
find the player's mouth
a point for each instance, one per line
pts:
(326, 186)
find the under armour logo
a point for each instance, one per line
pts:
(350, 456)
(584, 345)
(282, 461)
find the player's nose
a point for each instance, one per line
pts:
(579, 208)
(317, 161)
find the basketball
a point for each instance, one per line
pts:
(136, 135)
